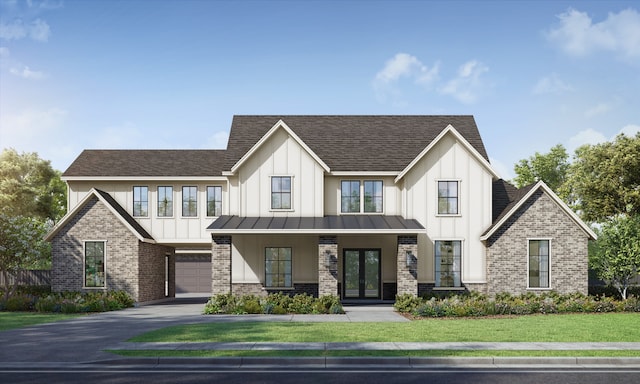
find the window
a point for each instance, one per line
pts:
(538, 263)
(373, 196)
(448, 262)
(281, 192)
(214, 201)
(165, 201)
(189, 201)
(350, 196)
(94, 264)
(140, 201)
(448, 197)
(278, 267)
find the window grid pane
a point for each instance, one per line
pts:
(140, 201)
(373, 196)
(278, 267)
(189, 201)
(214, 201)
(350, 196)
(94, 264)
(165, 201)
(448, 255)
(447, 197)
(281, 192)
(539, 263)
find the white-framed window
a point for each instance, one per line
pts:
(165, 201)
(140, 201)
(278, 267)
(352, 191)
(539, 263)
(448, 197)
(94, 264)
(189, 201)
(214, 201)
(281, 192)
(448, 263)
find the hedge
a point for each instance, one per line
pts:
(67, 302)
(274, 303)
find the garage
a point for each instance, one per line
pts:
(193, 273)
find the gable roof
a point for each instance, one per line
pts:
(113, 206)
(364, 143)
(147, 162)
(507, 199)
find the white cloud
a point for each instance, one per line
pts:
(630, 130)
(217, 141)
(27, 73)
(125, 135)
(591, 136)
(402, 65)
(599, 109)
(37, 30)
(31, 128)
(577, 35)
(468, 83)
(551, 84)
(4, 52)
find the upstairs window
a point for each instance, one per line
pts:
(165, 201)
(448, 198)
(373, 196)
(140, 201)
(351, 192)
(189, 201)
(350, 196)
(281, 192)
(214, 201)
(538, 263)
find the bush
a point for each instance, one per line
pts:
(276, 304)
(19, 302)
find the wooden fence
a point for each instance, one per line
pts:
(31, 277)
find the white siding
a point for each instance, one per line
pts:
(450, 160)
(280, 155)
(391, 194)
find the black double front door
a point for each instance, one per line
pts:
(362, 274)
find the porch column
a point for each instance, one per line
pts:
(407, 265)
(221, 264)
(328, 265)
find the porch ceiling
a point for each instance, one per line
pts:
(347, 224)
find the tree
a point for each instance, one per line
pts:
(30, 187)
(617, 258)
(604, 179)
(22, 246)
(551, 168)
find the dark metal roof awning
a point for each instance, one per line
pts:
(321, 225)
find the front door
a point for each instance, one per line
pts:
(361, 274)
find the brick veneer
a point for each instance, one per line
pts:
(327, 274)
(131, 265)
(407, 274)
(507, 250)
(221, 265)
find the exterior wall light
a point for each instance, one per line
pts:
(327, 258)
(410, 259)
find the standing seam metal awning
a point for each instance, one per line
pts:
(321, 225)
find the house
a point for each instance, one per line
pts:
(364, 207)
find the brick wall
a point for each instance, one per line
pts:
(507, 250)
(407, 274)
(327, 274)
(221, 264)
(152, 273)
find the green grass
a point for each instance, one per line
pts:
(610, 327)
(11, 320)
(420, 353)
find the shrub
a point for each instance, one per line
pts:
(19, 302)
(407, 303)
(275, 303)
(301, 303)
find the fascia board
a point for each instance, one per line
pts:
(263, 139)
(144, 178)
(317, 231)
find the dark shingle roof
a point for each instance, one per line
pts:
(125, 215)
(352, 142)
(105, 163)
(504, 197)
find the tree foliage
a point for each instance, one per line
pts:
(617, 257)
(604, 179)
(549, 167)
(30, 187)
(22, 245)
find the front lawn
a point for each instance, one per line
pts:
(607, 327)
(11, 320)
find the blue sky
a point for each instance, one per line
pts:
(171, 74)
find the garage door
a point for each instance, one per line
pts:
(193, 273)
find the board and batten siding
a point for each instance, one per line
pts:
(450, 160)
(168, 230)
(391, 194)
(279, 155)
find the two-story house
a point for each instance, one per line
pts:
(364, 207)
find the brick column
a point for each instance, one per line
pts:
(328, 274)
(407, 274)
(221, 265)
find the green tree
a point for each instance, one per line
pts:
(549, 167)
(617, 256)
(30, 187)
(22, 246)
(604, 179)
